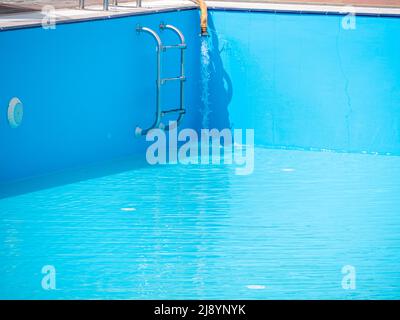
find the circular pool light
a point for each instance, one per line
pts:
(287, 169)
(255, 287)
(15, 112)
(128, 209)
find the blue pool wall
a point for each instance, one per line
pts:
(299, 80)
(303, 81)
(85, 86)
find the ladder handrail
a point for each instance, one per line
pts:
(164, 26)
(139, 131)
(181, 78)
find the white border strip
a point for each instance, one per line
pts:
(304, 8)
(94, 12)
(33, 19)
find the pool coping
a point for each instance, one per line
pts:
(95, 12)
(91, 13)
(305, 8)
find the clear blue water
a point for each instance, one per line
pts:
(201, 231)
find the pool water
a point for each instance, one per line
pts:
(200, 231)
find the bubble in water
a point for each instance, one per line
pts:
(288, 169)
(255, 287)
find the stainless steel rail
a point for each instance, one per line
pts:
(181, 78)
(139, 131)
(161, 81)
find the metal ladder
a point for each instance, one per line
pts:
(161, 81)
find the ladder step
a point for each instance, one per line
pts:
(181, 111)
(175, 46)
(164, 80)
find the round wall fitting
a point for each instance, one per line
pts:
(15, 112)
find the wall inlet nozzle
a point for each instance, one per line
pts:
(204, 32)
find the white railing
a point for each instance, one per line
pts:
(105, 4)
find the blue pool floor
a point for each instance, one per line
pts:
(200, 231)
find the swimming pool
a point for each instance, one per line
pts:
(77, 193)
(144, 232)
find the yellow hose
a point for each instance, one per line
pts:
(203, 16)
